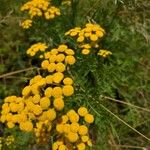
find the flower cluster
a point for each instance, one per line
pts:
(66, 2)
(1, 143)
(26, 24)
(74, 134)
(104, 53)
(39, 8)
(57, 59)
(35, 48)
(39, 102)
(8, 141)
(43, 97)
(87, 38)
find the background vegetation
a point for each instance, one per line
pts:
(124, 76)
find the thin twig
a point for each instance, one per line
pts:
(18, 71)
(130, 146)
(129, 104)
(124, 122)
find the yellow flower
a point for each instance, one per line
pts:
(37, 110)
(9, 140)
(10, 99)
(57, 92)
(42, 82)
(60, 57)
(48, 92)
(64, 119)
(83, 130)
(74, 33)
(44, 102)
(70, 60)
(59, 128)
(82, 111)
(51, 67)
(45, 64)
(69, 52)
(10, 124)
(55, 146)
(62, 147)
(37, 78)
(85, 51)
(86, 46)
(35, 89)
(57, 77)
(3, 118)
(60, 67)
(6, 108)
(62, 48)
(13, 107)
(66, 128)
(9, 117)
(70, 112)
(53, 57)
(68, 81)
(58, 103)
(93, 37)
(100, 33)
(35, 48)
(54, 51)
(36, 98)
(26, 91)
(68, 90)
(80, 39)
(49, 79)
(88, 34)
(26, 24)
(104, 53)
(74, 127)
(89, 118)
(72, 137)
(74, 118)
(81, 146)
(51, 114)
(89, 143)
(85, 138)
(26, 126)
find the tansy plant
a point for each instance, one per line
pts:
(41, 107)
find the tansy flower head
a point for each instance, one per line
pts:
(26, 24)
(104, 53)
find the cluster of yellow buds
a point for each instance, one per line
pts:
(35, 48)
(39, 8)
(1, 143)
(88, 37)
(66, 2)
(8, 141)
(58, 58)
(76, 134)
(26, 24)
(37, 108)
(104, 53)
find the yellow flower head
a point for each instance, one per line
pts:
(89, 118)
(72, 137)
(82, 111)
(44, 103)
(83, 130)
(58, 103)
(68, 90)
(104, 53)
